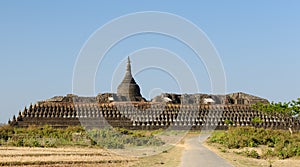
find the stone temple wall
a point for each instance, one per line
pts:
(148, 116)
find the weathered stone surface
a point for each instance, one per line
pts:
(148, 115)
(128, 87)
(234, 98)
(70, 98)
(244, 98)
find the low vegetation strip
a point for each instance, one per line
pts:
(61, 163)
(49, 154)
(47, 136)
(276, 143)
(62, 150)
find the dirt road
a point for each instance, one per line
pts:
(197, 155)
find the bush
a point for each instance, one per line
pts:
(49, 143)
(44, 136)
(119, 138)
(268, 153)
(6, 132)
(228, 122)
(252, 154)
(287, 149)
(283, 144)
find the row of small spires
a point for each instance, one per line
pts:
(147, 112)
(71, 108)
(155, 113)
(206, 121)
(113, 113)
(248, 114)
(126, 105)
(279, 125)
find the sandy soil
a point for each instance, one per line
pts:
(67, 156)
(170, 157)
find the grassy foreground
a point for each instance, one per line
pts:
(75, 146)
(272, 143)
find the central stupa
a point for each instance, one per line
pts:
(128, 87)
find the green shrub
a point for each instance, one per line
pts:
(42, 136)
(19, 142)
(32, 142)
(228, 122)
(218, 137)
(287, 149)
(252, 154)
(283, 144)
(119, 138)
(268, 153)
(49, 142)
(6, 132)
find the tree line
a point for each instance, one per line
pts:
(291, 108)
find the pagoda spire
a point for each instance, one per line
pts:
(128, 87)
(128, 67)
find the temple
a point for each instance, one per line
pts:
(128, 109)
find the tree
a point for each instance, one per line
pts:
(295, 105)
(283, 108)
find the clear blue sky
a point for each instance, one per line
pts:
(258, 42)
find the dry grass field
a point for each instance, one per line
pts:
(26, 156)
(47, 146)
(77, 156)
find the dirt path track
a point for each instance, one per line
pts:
(197, 155)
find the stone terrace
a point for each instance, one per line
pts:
(148, 116)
